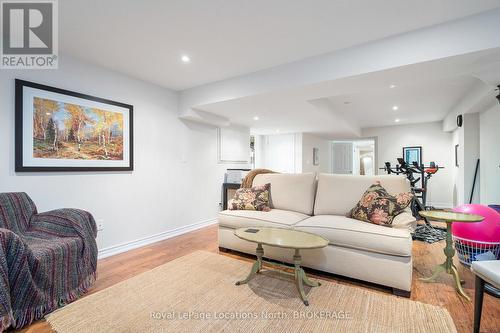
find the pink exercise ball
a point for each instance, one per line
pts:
(486, 231)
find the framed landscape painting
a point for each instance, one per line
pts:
(61, 130)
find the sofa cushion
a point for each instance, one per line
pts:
(293, 192)
(405, 220)
(248, 218)
(347, 232)
(337, 194)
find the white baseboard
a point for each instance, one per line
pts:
(112, 250)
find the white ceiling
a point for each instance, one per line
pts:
(423, 102)
(227, 38)
(424, 92)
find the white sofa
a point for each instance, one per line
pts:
(359, 250)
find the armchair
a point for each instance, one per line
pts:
(46, 260)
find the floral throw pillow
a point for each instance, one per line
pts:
(377, 206)
(254, 198)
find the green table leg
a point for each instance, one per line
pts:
(306, 280)
(458, 283)
(299, 273)
(437, 270)
(301, 278)
(297, 258)
(257, 266)
(448, 265)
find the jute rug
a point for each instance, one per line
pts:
(196, 293)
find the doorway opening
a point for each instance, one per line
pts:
(354, 157)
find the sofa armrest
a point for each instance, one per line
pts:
(6, 236)
(70, 222)
(66, 222)
(405, 220)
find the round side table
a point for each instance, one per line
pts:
(449, 251)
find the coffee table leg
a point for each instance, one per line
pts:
(301, 278)
(297, 258)
(257, 266)
(306, 280)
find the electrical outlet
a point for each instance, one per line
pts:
(100, 225)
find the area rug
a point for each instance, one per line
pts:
(196, 293)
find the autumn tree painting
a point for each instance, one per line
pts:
(70, 131)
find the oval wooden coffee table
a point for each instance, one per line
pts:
(285, 238)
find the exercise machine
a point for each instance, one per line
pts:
(418, 175)
(425, 174)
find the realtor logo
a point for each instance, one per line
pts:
(29, 34)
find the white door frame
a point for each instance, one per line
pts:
(375, 151)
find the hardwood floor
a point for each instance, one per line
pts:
(123, 266)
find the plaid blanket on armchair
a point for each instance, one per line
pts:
(46, 260)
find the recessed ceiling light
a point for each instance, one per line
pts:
(277, 131)
(392, 86)
(48, 113)
(395, 107)
(256, 118)
(397, 120)
(185, 58)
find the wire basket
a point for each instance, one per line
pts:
(471, 250)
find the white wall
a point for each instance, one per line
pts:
(469, 153)
(489, 123)
(467, 138)
(280, 153)
(176, 181)
(292, 153)
(457, 172)
(298, 148)
(259, 151)
(310, 141)
(477, 138)
(234, 144)
(436, 146)
(473, 101)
